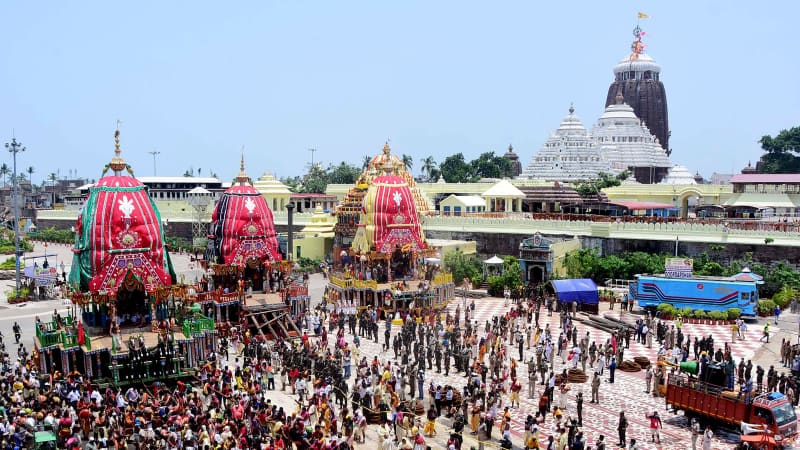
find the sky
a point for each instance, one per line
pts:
(198, 81)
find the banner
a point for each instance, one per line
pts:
(678, 267)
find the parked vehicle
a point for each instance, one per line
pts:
(698, 293)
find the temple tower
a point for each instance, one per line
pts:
(638, 78)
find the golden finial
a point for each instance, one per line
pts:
(386, 148)
(117, 163)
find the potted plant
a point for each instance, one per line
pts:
(700, 315)
(765, 307)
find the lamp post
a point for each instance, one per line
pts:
(154, 153)
(290, 234)
(15, 147)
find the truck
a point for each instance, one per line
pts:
(772, 411)
(696, 292)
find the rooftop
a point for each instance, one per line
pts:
(772, 178)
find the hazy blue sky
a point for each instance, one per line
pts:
(197, 80)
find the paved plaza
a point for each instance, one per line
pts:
(627, 393)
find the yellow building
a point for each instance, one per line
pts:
(681, 196)
(275, 192)
(315, 240)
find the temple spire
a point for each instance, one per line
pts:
(242, 177)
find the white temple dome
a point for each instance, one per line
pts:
(637, 63)
(620, 113)
(679, 175)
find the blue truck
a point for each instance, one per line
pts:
(696, 292)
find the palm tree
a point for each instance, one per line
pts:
(5, 171)
(30, 171)
(408, 161)
(365, 162)
(428, 165)
(52, 178)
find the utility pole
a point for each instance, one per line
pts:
(15, 147)
(154, 153)
(312, 150)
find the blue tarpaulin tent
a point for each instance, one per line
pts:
(582, 290)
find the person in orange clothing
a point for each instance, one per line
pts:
(475, 420)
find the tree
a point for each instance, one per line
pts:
(365, 162)
(408, 161)
(456, 170)
(780, 152)
(52, 178)
(315, 181)
(603, 180)
(463, 266)
(5, 171)
(30, 171)
(344, 173)
(428, 165)
(489, 165)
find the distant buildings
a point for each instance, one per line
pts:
(619, 141)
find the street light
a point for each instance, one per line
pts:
(15, 147)
(154, 153)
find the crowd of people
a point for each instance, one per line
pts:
(338, 390)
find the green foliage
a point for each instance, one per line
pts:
(766, 306)
(718, 315)
(586, 263)
(780, 152)
(734, 313)
(65, 236)
(667, 310)
(11, 264)
(686, 312)
(318, 178)
(489, 165)
(776, 277)
(456, 170)
(7, 244)
(23, 292)
(463, 267)
(785, 296)
(699, 314)
(510, 277)
(496, 285)
(315, 181)
(603, 180)
(344, 173)
(429, 169)
(308, 265)
(768, 240)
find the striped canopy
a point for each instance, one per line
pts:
(119, 239)
(243, 228)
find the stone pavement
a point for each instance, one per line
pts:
(625, 394)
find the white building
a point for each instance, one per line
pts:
(619, 141)
(569, 154)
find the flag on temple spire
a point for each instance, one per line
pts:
(643, 16)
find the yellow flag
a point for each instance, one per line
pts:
(643, 16)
